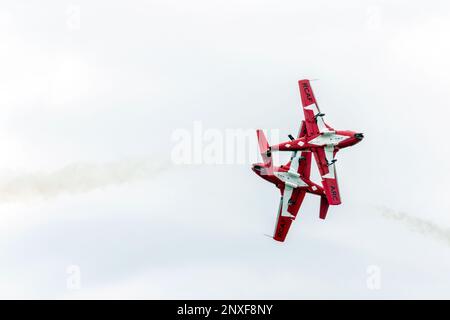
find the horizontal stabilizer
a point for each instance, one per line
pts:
(323, 207)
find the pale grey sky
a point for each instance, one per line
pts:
(92, 91)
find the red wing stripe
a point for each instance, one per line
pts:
(306, 93)
(283, 225)
(329, 182)
(332, 191)
(310, 107)
(284, 222)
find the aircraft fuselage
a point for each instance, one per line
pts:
(339, 139)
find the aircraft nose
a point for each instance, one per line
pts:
(359, 136)
(257, 167)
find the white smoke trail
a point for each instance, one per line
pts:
(422, 226)
(77, 178)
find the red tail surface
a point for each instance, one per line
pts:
(263, 147)
(323, 207)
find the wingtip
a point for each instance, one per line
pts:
(302, 80)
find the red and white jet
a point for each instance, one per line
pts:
(293, 181)
(322, 140)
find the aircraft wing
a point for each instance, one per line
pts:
(290, 202)
(292, 197)
(326, 162)
(313, 116)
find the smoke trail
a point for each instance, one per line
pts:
(422, 226)
(77, 178)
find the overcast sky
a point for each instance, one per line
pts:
(93, 92)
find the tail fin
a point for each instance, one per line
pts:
(264, 147)
(323, 207)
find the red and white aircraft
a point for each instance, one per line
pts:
(293, 181)
(322, 140)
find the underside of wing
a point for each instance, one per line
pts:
(290, 203)
(327, 167)
(300, 163)
(313, 117)
(282, 228)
